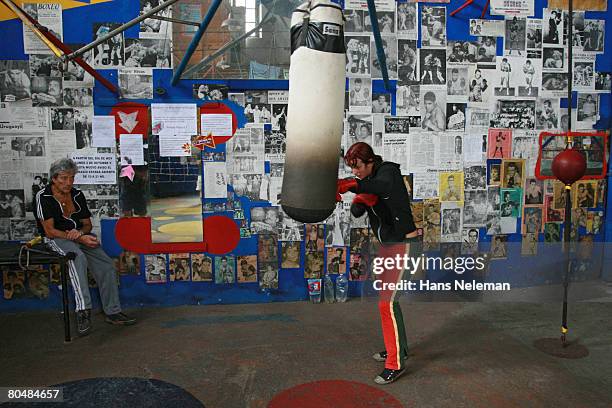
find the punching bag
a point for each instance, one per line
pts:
(315, 112)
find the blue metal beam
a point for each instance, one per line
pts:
(196, 40)
(382, 59)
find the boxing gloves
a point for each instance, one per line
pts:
(345, 185)
(361, 202)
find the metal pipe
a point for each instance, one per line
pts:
(196, 40)
(121, 29)
(32, 25)
(227, 46)
(382, 59)
(570, 74)
(175, 20)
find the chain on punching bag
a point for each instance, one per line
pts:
(315, 111)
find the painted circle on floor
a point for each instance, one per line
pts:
(334, 393)
(121, 392)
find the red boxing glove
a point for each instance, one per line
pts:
(367, 199)
(345, 185)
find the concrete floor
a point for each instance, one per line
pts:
(462, 354)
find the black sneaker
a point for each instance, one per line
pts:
(381, 356)
(120, 319)
(388, 376)
(83, 318)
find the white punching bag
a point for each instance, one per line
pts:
(315, 112)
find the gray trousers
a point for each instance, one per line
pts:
(102, 269)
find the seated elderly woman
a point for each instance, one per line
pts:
(64, 220)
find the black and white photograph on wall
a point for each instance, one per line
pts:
(515, 39)
(396, 125)
(407, 62)
(381, 102)
(475, 177)
(583, 73)
(386, 21)
(23, 229)
(290, 230)
(247, 185)
(110, 53)
(258, 112)
(154, 28)
(530, 78)
(577, 31)
(451, 223)
(12, 204)
(42, 65)
(603, 81)
(62, 118)
(534, 191)
(265, 220)
(256, 97)
(493, 199)
(155, 268)
(588, 107)
(357, 55)
(33, 183)
(480, 86)
(407, 100)
(15, 84)
(268, 275)
(554, 83)
(353, 21)
(478, 118)
(505, 86)
(499, 246)
(359, 129)
(433, 109)
(47, 91)
(389, 45)
(279, 116)
(225, 267)
(179, 267)
(78, 96)
(455, 116)
(534, 34)
(74, 74)
(236, 97)
(469, 240)
(103, 208)
(513, 114)
(552, 27)
(547, 113)
(594, 33)
(136, 83)
(338, 227)
(29, 146)
(456, 82)
(150, 53)
(406, 14)
(360, 95)
(213, 92)
(553, 59)
(432, 64)
(274, 142)
(83, 127)
(475, 208)
(433, 26)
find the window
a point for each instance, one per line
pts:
(252, 14)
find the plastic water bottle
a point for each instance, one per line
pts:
(328, 287)
(314, 290)
(341, 288)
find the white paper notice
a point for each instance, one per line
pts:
(48, 15)
(217, 124)
(215, 180)
(174, 145)
(103, 131)
(98, 168)
(174, 118)
(131, 148)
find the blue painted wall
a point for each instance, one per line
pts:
(520, 271)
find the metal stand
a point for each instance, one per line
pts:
(550, 345)
(65, 301)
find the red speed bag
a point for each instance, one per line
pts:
(569, 166)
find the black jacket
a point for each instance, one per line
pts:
(391, 217)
